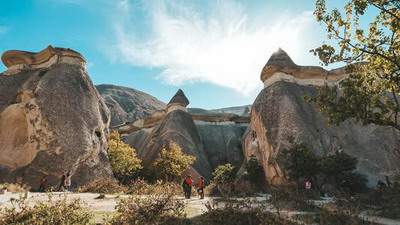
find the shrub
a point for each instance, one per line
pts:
(104, 186)
(46, 213)
(337, 169)
(14, 187)
(172, 163)
(123, 159)
(299, 162)
(255, 172)
(386, 201)
(158, 208)
(242, 212)
(141, 187)
(224, 174)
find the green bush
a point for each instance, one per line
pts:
(241, 212)
(255, 172)
(171, 163)
(386, 201)
(103, 186)
(337, 169)
(141, 187)
(300, 162)
(123, 159)
(46, 213)
(224, 174)
(154, 209)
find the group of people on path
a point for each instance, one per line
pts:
(65, 183)
(187, 185)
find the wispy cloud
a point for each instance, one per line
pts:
(221, 45)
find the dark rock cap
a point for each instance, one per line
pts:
(280, 58)
(179, 98)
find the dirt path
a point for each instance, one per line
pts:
(102, 208)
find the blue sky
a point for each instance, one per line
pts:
(213, 50)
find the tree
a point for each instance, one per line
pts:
(172, 163)
(300, 162)
(224, 174)
(255, 172)
(123, 159)
(371, 93)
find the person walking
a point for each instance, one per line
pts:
(67, 182)
(43, 184)
(62, 181)
(200, 187)
(187, 186)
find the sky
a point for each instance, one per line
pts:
(214, 50)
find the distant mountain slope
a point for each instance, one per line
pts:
(128, 104)
(238, 110)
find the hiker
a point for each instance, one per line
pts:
(67, 182)
(187, 186)
(43, 184)
(62, 181)
(200, 187)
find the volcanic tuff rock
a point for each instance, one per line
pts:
(177, 126)
(127, 104)
(213, 138)
(280, 112)
(52, 119)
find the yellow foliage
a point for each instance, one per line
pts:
(123, 158)
(172, 162)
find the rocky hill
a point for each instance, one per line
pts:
(280, 113)
(127, 104)
(52, 119)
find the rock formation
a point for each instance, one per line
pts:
(52, 119)
(176, 126)
(214, 138)
(280, 112)
(127, 104)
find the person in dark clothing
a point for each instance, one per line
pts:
(187, 186)
(62, 181)
(67, 182)
(43, 184)
(200, 187)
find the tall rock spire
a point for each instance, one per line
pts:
(178, 101)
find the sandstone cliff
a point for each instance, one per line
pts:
(280, 112)
(52, 119)
(127, 104)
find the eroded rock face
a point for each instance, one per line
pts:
(127, 104)
(280, 112)
(222, 143)
(52, 120)
(177, 126)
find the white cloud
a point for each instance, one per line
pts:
(221, 45)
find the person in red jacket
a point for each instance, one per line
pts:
(200, 187)
(187, 186)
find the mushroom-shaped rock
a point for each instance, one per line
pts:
(16, 60)
(179, 101)
(52, 120)
(279, 60)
